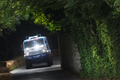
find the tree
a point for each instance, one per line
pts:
(12, 11)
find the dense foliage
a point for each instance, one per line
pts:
(95, 28)
(12, 11)
(93, 24)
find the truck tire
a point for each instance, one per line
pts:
(50, 61)
(28, 64)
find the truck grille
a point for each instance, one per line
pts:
(33, 53)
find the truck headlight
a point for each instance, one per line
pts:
(37, 47)
(26, 54)
(45, 51)
(27, 49)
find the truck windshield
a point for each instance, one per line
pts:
(33, 43)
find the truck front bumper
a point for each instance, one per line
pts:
(38, 58)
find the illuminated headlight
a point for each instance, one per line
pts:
(27, 49)
(41, 45)
(26, 54)
(37, 46)
(44, 51)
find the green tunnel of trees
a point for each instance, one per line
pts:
(93, 24)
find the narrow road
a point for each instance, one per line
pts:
(43, 72)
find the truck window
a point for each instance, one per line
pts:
(30, 44)
(39, 41)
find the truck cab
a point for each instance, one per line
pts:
(36, 50)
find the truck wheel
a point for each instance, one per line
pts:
(28, 64)
(50, 61)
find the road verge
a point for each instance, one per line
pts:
(7, 66)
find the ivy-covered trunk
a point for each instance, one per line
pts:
(98, 48)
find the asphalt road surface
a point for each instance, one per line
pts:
(43, 72)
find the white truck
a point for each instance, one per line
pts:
(36, 50)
